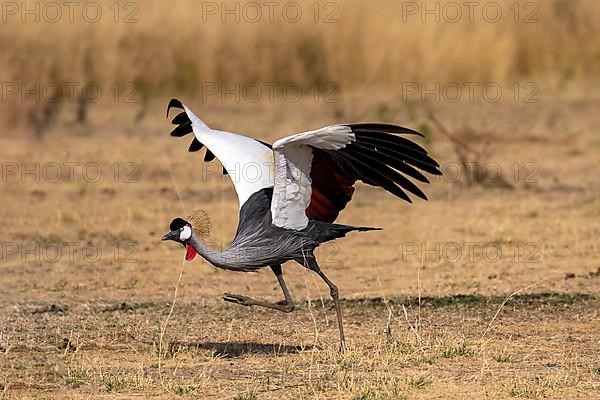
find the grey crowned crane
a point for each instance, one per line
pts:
(305, 180)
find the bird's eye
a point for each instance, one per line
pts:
(181, 229)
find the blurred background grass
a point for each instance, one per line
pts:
(172, 48)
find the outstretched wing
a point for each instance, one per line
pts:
(248, 162)
(315, 171)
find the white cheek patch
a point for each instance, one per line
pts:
(186, 233)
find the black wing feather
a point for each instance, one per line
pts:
(182, 130)
(195, 146)
(388, 172)
(174, 103)
(394, 162)
(421, 161)
(374, 174)
(209, 156)
(390, 140)
(378, 128)
(180, 118)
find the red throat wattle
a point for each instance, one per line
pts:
(190, 253)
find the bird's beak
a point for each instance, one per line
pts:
(173, 235)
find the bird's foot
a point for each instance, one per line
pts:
(239, 299)
(248, 301)
(285, 306)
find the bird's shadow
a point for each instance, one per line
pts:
(232, 350)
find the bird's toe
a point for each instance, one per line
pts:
(237, 299)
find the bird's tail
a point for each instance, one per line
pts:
(341, 230)
(364, 228)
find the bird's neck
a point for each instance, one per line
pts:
(213, 256)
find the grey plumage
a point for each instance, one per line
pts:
(258, 243)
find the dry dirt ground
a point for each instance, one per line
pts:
(482, 292)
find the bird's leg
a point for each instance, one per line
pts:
(286, 305)
(288, 302)
(333, 290)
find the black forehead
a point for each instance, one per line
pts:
(178, 223)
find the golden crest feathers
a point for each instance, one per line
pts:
(200, 223)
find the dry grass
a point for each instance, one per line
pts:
(449, 361)
(72, 328)
(170, 42)
(171, 50)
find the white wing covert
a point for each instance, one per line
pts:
(293, 162)
(248, 162)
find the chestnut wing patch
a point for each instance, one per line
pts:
(332, 189)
